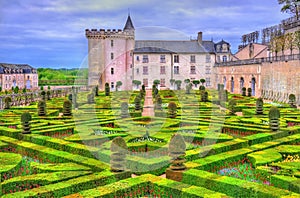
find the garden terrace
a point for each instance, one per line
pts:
(227, 155)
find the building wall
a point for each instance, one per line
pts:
(279, 78)
(202, 66)
(107, 50)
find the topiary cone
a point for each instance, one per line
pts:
(25, 119)
(177, 150)
(259, 106)
(118, 150)
(274, 115)
(172, 110)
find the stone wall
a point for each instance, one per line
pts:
(273, 79)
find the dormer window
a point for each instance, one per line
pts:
(224, 47)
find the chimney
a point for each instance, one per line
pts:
(199, 38)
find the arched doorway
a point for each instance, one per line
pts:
(232, 84)
(241, 84)
(253, 82)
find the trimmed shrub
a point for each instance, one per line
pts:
(7, 102)
(259, 106)
(96, 91)
(204, 96)
(118, 150)
(48, 95)
(177, 149)
(172, 110)
(249, 90)
(292, 100)
(137, 102)
(274, 115)
(67, 108)
(25, 119)
(188, 88)
(244, 91)
(232, 106)
(124, 110)
(202, 88)
(43, 94)
(41, 108)
(107, 89)
(158, 103)
(90, 98)
(70, 97)
(178, 83)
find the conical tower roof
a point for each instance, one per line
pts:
(129, 24)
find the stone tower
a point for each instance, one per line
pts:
(110, 56)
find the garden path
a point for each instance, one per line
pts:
(148, 109)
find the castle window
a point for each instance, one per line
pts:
(162, 69)
(207, 80)
(162, 58)
(193, 69)
(137, 58)
(111, 71)
(176, 58)
(193, 59)
(112, 43)
(112, 85)
(224, 58)
(111, 56)
(145, 59)
(176, 69)
(137, 71)
(145, 70)
(207, 70)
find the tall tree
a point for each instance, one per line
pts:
(274, 45)
(282, 42)
(290, 6)
(290, 44)
(297, 39)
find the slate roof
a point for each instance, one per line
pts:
(155, 46)
(16, 68)
(129, 24)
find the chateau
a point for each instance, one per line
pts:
(115, 55)
(21, 75)
(270, 69)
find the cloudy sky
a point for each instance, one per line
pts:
(51, 33)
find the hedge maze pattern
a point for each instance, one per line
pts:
(231, 150)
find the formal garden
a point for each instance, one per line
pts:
(199, 143)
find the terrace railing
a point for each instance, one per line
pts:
(260, 60)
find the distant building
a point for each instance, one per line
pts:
(115, 55)
(21, 75)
